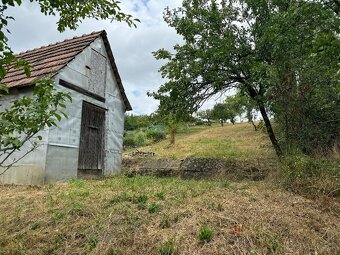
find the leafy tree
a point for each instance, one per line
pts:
(206, 114)
(221, 112)
(228, 110)
(246, 105)
(171, 114)
(306, 97)
(22, 120)
(173, 123)
(234, 105)
(134, 122)
(242, 44)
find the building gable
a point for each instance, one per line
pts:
(51, 59)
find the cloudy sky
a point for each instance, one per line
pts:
(132, 47)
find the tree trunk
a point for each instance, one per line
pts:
(255, 127)
(221, 123)
(254, 94)
(250, 119)
(270, 131)
(172, 137)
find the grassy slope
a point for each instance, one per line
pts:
(238, 141)
(138, 215)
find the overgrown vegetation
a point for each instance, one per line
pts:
(143, 138)
(312, 177)
(284, 60)
(136, 122)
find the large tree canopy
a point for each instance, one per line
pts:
(252, 45)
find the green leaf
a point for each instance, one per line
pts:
(57, 116)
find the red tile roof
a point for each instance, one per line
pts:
(50, 59)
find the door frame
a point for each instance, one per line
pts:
(91, 173)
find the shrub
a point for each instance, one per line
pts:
(205, 234)
(140, 139)
(311, 176)
(167, 248)
(155, 135)
(129, 141)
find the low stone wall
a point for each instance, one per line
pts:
(198, 168)
(202, 168)
(161, 167)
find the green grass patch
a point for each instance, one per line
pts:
(167, 248)
(205, 234)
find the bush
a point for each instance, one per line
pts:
(311, 176)
(129, 141)
(140, 139)
(205, 234)
(155, 135)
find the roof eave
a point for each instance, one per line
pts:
(115, 71)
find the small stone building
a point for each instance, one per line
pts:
(90, 141)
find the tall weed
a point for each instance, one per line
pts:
(311, 176)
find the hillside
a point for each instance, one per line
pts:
(231, 151)
(150, 215)
(238, 141)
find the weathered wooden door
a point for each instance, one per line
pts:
(91, 148)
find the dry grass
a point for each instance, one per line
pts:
(149, 215)
(238, 141)
(113, 216)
